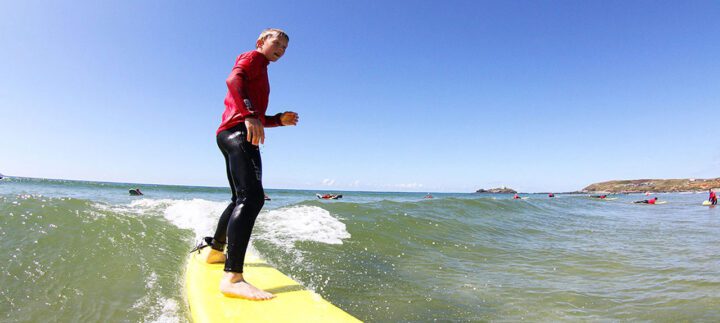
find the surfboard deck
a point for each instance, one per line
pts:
(706, 203)
(292, 302)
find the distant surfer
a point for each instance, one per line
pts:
(135, 192)
(650, 201)
(599, 196)
(327, 196)
(428, 196)
(551, 195)
(241, 131)
(516, 197)
(713, 197)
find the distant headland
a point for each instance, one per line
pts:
(654, 185)
(499, 190)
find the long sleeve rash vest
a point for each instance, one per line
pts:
(248, 92)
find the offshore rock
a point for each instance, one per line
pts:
(499, 190)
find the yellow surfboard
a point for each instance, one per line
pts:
(293, 303)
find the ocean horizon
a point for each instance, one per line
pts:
(88, 251)
(327, 189)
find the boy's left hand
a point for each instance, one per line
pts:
(289, 118)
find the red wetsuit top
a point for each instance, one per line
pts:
(712, 196)
(652, 201)
(248, 81)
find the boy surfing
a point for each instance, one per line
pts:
(241, 131)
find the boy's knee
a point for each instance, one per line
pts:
(254, 198)
(258, 199)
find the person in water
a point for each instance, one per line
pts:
(241, 131)
(650, 201)
(516, 197)
(713, 197)
(599, 196)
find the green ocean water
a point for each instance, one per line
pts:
(89, 252)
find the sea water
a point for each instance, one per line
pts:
(88, 252)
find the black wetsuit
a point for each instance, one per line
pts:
(244, 172)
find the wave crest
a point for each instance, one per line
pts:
(283, 227)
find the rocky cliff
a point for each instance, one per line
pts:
(654, 185)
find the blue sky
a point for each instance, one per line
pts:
(439, 96)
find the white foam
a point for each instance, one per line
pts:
(167, 311)
(139, 207)
(158, 309)
(198, 215)
(284, 227)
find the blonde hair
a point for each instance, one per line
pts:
(267, 33)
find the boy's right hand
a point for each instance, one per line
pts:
(255, 131)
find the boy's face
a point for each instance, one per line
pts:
(273, 47)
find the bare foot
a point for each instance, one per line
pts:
(233, 285)
(214, 256)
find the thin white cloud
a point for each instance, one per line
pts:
(405, 186)
(328, 182)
